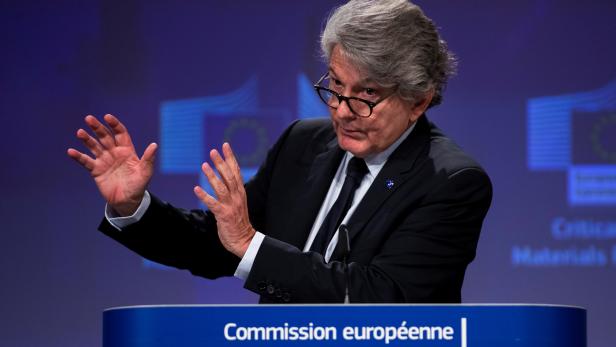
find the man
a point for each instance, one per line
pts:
(411, 202)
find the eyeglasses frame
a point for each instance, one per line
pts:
(371, 104)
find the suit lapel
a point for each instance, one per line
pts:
(319, 179)
(395, 173)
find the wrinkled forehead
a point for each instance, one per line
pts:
(344, 67)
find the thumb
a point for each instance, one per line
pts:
(149, 154)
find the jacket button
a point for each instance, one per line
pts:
(286, 297)
(270, 289)
(261, 286)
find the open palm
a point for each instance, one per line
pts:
(120, 175)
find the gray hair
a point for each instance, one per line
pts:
(394, 43)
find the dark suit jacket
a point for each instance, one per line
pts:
(410, 242)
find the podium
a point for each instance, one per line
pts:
(463, 325)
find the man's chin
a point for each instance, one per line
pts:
(355, 147)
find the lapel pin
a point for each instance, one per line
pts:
(389, 184)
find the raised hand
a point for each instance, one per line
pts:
(229, 206)
(120, 175)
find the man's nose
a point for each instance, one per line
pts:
(344, 110)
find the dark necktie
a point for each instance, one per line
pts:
(356, 169)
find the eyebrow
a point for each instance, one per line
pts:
(365, 81)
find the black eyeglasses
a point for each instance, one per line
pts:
(360, 107)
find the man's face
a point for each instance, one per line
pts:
(390, 118)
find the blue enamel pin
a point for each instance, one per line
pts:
(389, 183)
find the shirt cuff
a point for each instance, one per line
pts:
(119, 222)
(245, 265)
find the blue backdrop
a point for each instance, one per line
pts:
(534, 102)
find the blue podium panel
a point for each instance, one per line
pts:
(345, 325)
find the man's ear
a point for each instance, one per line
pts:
(421, 105)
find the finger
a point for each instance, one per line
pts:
(232, 163)
(150, 153)
(101, 131)
(207, 199)
(90, 142)
(120, 133)
(219, 187)
(223, 169)
(83, 159)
